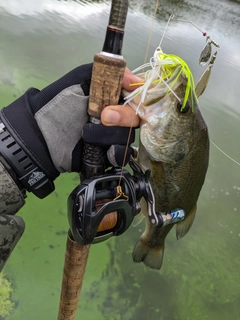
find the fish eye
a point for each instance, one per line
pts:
(185, 109)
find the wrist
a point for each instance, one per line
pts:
(28, 172)
(24, 149)
(12, 195)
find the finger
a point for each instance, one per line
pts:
(123, 116)
(130, 78)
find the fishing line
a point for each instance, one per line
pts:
(151, 30)
(126, 150)
(165, 30)
(202, 83)
(205, 56)
(145, 59)
(225, 153)
(204, 33)
(206, 53)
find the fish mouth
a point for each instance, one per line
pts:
(166, 74)
(153, 93)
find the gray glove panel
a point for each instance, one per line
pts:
(61, 122)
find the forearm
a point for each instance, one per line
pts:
(11, 194)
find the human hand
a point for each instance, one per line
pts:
(48, 125)
(114, 130)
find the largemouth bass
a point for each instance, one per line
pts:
(174, 145)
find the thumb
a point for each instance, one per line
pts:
(123, 116)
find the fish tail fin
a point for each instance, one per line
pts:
(151, 257)
(183, 227)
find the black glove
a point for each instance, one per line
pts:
(50, 126)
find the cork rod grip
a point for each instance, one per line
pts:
(73, 273)
(106, 83)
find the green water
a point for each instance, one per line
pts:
(39, 42)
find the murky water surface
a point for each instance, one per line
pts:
(42, 40)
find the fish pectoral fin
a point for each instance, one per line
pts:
(138, 219)
(183, 227)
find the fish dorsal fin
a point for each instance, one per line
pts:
(184, 226)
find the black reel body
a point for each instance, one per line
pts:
(87, 206)
(116, 191)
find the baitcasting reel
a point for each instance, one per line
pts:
(116, 193)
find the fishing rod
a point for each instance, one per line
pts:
(105, 89)
(105, 202)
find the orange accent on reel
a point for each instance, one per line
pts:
(108, 222)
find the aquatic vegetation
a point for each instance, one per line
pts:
(200, 281)
(199, 273)
(15, 83)
(6, 305)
